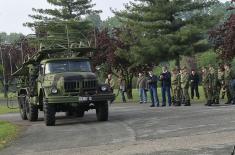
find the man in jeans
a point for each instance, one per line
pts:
(165, 78)
(142, 86)
(152, 83)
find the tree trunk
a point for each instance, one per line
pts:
(177, 60)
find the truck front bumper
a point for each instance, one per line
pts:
(80, 99)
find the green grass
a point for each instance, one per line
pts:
(5, 109)
(136, 96)
(8, 132)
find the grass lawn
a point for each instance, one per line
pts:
(136, 96)
(8, 132)
(4, 109)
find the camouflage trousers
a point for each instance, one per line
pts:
(209, 93)
(186, 94)
(176, 94)
(205, 91)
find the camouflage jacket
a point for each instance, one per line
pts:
(175, 81)
(208, 80)
(221, 76)
(227, 76)
(185, 80)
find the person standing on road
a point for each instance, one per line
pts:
(194, 82)
(204, 80)
(227, 82)
(122, 88)
(214, 78)
(165, 79)
(109, 81)
(142, 86)
(208, 84)
(152, 84)
(176, 87)
(219, 84)
(185, 86)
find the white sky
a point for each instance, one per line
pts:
(13, 13)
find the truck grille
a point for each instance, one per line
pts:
(89, 84)
(71, 86)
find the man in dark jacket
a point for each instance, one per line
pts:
(152, 83)
(165, 78)
(194, 82)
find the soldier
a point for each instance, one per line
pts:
(213, 85)
(208, 85)
(185, 86)
(219, 84)
(204, 77)
(176, 87)
(227, 80)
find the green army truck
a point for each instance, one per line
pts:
(52, 82)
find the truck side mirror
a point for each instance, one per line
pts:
(42, 70)
(98, 68)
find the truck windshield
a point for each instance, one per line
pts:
(67, 66)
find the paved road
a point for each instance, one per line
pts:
(132, 130)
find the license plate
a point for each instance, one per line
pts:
(82, 99)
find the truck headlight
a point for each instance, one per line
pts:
(54, 91)
(104, 88)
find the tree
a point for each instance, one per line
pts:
(112, 22)
(115, 57)
(12, 56)
(168, 28)
(65, 20)
(223, 36)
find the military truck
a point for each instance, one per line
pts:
(54, 81)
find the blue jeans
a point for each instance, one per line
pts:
(166, 90)
(143, 95)
(154, 96)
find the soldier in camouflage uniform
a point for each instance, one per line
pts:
(176, 87)
(204, 78)
(208, 86)
(185, 86)
(214, 78)
(227, 81)
(219, 84)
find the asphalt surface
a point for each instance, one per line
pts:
(132, 129)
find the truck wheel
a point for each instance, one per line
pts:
(49, 114)
(22, 108)
(32, 112)
(80, 113)
(102, 111)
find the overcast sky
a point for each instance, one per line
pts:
(13, 13)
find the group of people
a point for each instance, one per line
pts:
(175, 85)
(150, 83)
(215, 81)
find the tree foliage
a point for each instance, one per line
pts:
(223, 36)
(167, 29)
(65, 20)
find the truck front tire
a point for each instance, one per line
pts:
(49, 114)
(22, 107)
(32, 112)
(102, 111)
